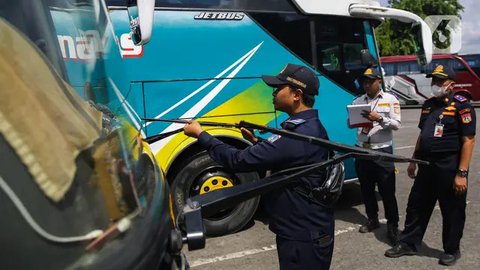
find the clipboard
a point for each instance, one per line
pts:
(355, 118)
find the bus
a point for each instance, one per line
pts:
(79, 189)
(406, 78)
(473, 60)
(205, 61)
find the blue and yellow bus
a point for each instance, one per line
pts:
(205, 62)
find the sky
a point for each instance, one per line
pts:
(470, 26)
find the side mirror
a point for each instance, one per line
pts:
(422, 33)
(423, 42)
(140, 13)
(368, 59)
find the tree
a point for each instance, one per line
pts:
(396, 38)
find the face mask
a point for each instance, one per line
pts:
(438, 91)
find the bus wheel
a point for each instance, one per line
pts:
(200, 175)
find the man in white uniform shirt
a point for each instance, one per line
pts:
(385, 117)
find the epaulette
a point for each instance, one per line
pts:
(390, 93)
(293, 123)
(460, 98)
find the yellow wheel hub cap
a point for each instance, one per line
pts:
(214, 183)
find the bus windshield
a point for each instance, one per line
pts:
(37, 28)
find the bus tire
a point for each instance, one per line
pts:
(186, 182)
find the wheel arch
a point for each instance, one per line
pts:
(194, 148)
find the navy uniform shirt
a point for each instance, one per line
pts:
(291, 214)
(455, 115)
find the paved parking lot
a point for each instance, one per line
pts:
(254, 247)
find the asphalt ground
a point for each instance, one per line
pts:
(254, 247)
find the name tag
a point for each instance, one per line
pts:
(365, 130)
(438, 132)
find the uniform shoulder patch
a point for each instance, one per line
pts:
(466, 118)
(273, 138)
(293, 123)
(396, 108)
(297, 121)
(460, 98)
(467, 110)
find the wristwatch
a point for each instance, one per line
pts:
(462, 173)
(380, 119)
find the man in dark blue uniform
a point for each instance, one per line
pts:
(304, 229)
(447, 137)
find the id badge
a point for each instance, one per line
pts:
(365, 130)
(438, 132)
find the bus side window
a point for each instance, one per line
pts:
(458, 66)
(329, 56)
(389, 69)
(351, 53)
(423, 69)
(403, 68)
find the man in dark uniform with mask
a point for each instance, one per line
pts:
(304, 229)
(446, 140)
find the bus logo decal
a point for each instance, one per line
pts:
(86, 46)
(128, 48)
(220, 16)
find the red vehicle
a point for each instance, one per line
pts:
(473, 60)
(406, 78)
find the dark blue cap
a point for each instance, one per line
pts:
(300, 77)
(372, 73)
(442, 73)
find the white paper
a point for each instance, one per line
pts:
(355, 118)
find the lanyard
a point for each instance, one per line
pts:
(372, 109)
(375, 105)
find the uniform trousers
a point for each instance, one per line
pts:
(435, 182)
(382, 173)
(315, 254)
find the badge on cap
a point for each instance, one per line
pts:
(439, 71)
(369, 71)
(372, 73)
